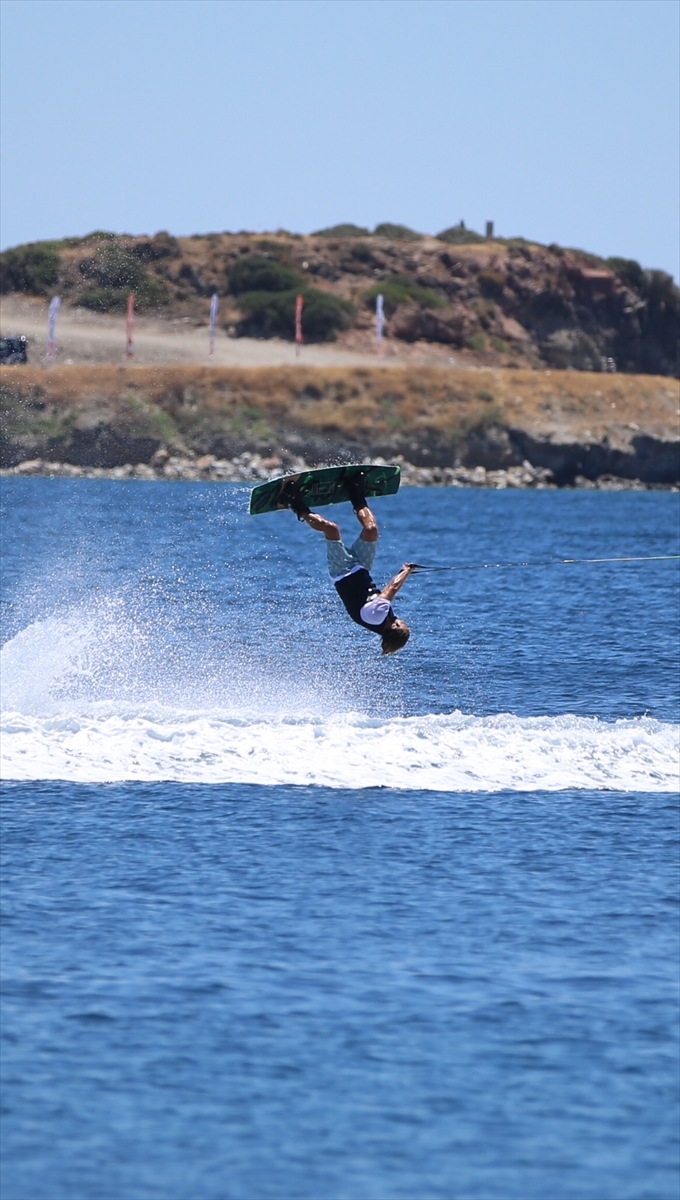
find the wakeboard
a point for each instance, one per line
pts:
(327, 485)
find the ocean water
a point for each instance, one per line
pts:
(283, 918)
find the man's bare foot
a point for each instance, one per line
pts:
(356, 490)
(290, 496)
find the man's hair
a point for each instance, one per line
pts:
(394, 639)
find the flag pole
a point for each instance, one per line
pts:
(130, 326)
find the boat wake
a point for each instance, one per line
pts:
(66, 715)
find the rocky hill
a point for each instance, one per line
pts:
(497, 302)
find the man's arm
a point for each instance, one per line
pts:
(391, 589)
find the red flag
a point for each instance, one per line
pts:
(298, 322)
(130, 325)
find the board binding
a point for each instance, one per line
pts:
(324, 486)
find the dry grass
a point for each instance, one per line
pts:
(362, 401)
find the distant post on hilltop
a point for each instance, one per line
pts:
(213, 318)
(52, 328)
(299, 302)
(130, 326)
(379, 323)
(489, 230)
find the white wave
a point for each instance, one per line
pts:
(42, 656)
(75, 708)
(453, 752)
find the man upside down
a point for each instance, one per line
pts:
(365, 602)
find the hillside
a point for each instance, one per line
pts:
(505, 303)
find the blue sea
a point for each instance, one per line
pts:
(284, 919)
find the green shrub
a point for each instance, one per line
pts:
(149, 294)
(498, 344)
(274, 249)
(161, 245)
(256, 273)
(458, 235)
(399, 233)
(485, 394)
(628, 270)
(112, 273)
(114, 266)
(342, 231)
(33, 268)
(99, 235)
(662, 291)
(103, 299)
(476, 342)
(401, 289)
(266, 291)
(272, 314)
(361, 252)
(267, 314)
(324, 315)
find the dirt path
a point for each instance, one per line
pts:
(86, 337)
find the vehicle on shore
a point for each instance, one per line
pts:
(14, 349)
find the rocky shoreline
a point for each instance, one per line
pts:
(255, 468)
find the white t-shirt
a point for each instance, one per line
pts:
(375, 610)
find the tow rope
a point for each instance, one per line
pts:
(549, 562)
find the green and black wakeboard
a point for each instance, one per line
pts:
(327, 485)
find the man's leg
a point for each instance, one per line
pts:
(328, 528)
(331, 531)
(369, 525)
(366, 545)
(340, 560)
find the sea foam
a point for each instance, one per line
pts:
(65, 716)
(451, 752)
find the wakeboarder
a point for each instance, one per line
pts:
(349, 569)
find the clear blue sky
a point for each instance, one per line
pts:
(558, 119)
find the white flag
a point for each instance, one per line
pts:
(379, 322)
(52, 327)
(213, 318)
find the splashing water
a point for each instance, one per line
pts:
(90, 696)
(82, 655)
